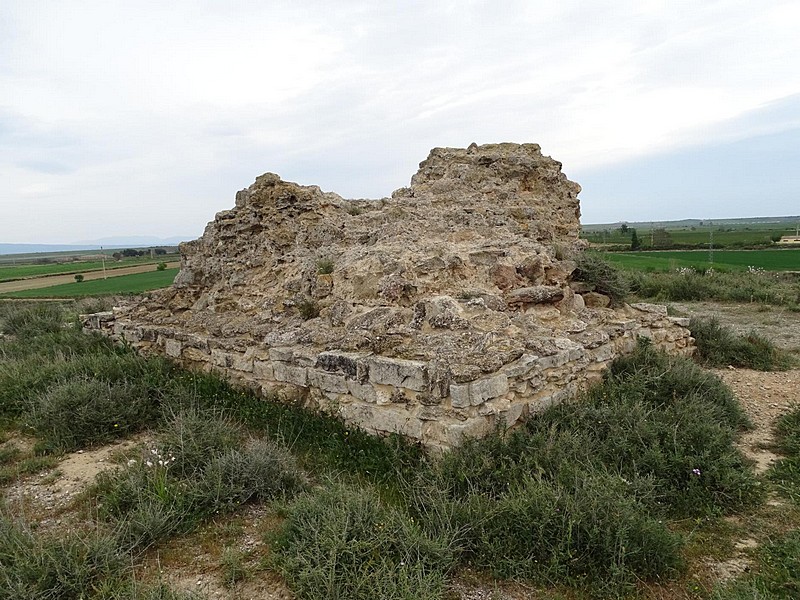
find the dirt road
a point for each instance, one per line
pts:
(50, 280)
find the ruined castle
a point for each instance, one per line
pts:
(436, 314)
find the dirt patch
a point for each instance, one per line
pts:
(52, 491)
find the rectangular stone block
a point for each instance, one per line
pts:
(340, 362)
(220, 358)
(327, 382)
(485, 389)
(521, 367)
(172, 348)
(242, 362)
(262, 369)
(290, 374)
(281, 354)
(397, 372)
(362, 391)
(459, 395)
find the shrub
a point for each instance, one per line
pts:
(196, 467)
(193, 436)
(325, 266)
(605, 277)
(78, 278)
(43, 317)
(82, 412)
(786, 473)
(653, 420)
(718, 346)
(308, 309)
(69, 567)
(341, 542)
(162, 266)
(590, 531)
(261, 471)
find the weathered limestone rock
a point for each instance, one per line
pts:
(435, 313)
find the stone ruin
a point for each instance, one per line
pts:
(437, 313)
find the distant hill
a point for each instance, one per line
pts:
(106, 243)
(789, 222)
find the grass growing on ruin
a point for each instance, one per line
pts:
(585, 495)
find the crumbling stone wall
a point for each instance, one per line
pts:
(432, 313)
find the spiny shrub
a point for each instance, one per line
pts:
(602, 275)
(341, 542)
(193, 436)
(260, 471)
(324, 441)
(196, 467)
(786, 473)
(44, 317)
(67, 567)
(591, 530)
(654, 420)
(84, 412)
(719, 346)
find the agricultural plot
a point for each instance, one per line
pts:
(14, 272)
(694, 236)
(124, 284)
(729, 260)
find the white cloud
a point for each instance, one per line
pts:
(161, 110)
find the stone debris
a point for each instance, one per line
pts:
(436, 313)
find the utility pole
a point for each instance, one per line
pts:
(103, 258)
(711, 244)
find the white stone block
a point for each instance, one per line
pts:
(290, 374)
(397, 372)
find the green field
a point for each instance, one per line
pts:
(724, 236)
(14, 272)
(124, 284)
(729, 260)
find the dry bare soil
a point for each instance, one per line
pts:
(193, 561)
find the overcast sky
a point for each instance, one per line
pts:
(144, 118)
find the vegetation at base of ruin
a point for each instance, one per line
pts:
(604, 277)
(325, 266)
(786, 473)
(76, 565)
(123, 284)
(723, 260)
(599, 494)
(22, 271)
(197, 466)
(345, 542)
(719, 346)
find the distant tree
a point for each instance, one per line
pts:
(661, 238)
(78, 278)
(776, 237)
(623, 229)
(160, 251)
(117, 256)
(131, 252)
(636, 244)
(162, 266)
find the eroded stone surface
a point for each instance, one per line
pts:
(432, 313)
